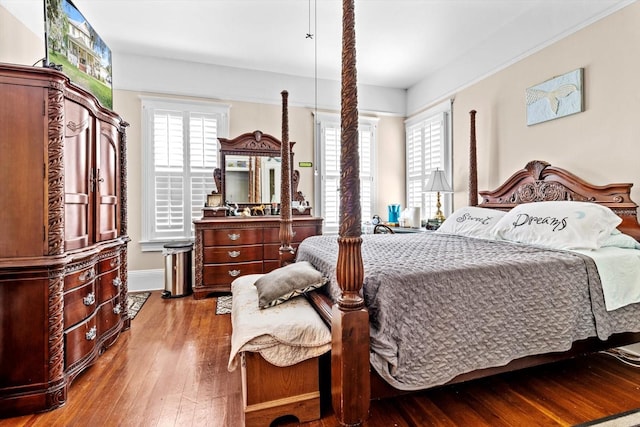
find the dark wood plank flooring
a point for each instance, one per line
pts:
(170, 369)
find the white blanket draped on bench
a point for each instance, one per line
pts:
(284, 335)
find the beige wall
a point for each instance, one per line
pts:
(247, 117)
(18, 44)
(601, 144)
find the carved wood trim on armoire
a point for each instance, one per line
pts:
(63, 235)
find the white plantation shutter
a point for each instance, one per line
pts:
(428, 146)
(168, 170)
(328, 163)
(181, 153)
(204, 154)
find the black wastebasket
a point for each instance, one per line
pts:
(177, 269)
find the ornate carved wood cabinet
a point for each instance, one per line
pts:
(63, 235)
(228, 247)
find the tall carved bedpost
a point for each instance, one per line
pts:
(286, 230)
(473, 162)
(124, 224)
(350, 378)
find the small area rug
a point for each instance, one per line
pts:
(223, 304)
(135, 302)
(625, 419)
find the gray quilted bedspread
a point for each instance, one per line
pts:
(442, 305)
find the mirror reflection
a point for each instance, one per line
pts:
(252, 179)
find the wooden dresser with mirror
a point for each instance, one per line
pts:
(228, 246)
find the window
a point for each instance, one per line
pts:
(180, 153)
(328, 167)
(428, 146)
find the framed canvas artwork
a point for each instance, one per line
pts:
(557, 97)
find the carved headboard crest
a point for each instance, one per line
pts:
(539, 181)
(255, 141)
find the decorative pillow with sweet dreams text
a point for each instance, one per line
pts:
(472, 221)
(287, 282)
(558, 224)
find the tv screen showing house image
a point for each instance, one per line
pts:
(73, 44)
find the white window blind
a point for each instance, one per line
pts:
(428, 146)
(181, 152)
(328, 166)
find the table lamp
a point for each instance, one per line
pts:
(437, 182)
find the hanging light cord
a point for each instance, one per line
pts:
(309, 33)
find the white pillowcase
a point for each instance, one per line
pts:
(620, 240)
(472, 221)
(558, 224)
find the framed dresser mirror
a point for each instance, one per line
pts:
(250, 172)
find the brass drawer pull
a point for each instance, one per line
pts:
(234, 236)
(117, 282)
(234, 273)
(91, 335)
(234, 254)
(113, 262)
(117, 309)
(90, 299)
(87, 275)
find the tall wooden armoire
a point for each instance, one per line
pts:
(63, 235)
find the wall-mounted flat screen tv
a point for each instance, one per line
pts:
(73, 46)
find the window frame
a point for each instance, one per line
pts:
(444, 112)
(150, 239)
(322, 121)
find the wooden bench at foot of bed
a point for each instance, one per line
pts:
(270, 392)
(278, 349)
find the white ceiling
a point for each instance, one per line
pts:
(399, 42)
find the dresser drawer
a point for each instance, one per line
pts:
(227, 254)
(270, 265)
(272, 235)
(232, 237)
(80, 277)
(80, 340)
(224, 274)
(108, 286)
(110, 263)
(109, 315)
(79, 304)
(272, 251)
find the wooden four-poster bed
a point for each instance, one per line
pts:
(343, 307)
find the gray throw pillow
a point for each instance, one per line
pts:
(287, 282)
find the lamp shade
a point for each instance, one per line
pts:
(438, 182)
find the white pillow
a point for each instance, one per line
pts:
(472, 221)
(558, 225)
(620, 240)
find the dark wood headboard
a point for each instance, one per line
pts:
(539, 181)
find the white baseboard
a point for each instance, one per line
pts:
(146, 280)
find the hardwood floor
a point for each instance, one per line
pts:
(170, 369)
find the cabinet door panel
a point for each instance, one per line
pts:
(78, 143)
(107, 208)
(22, 138)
